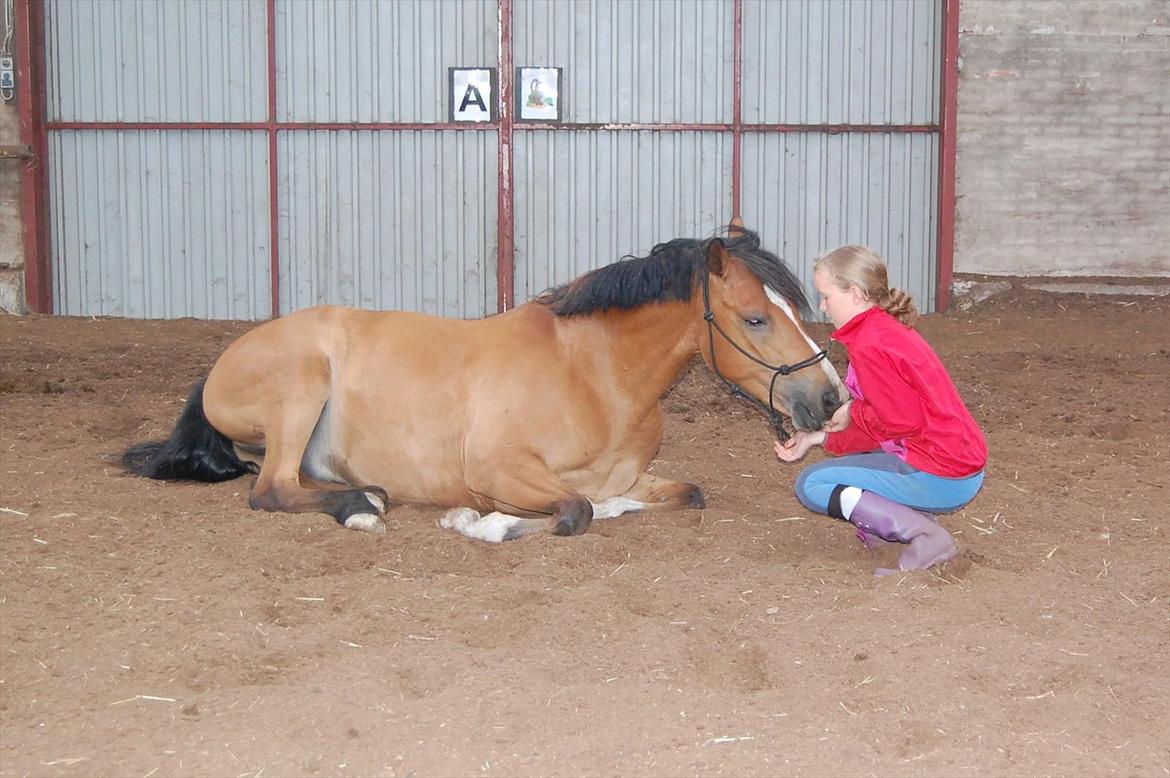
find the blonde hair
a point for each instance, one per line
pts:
(864, 268)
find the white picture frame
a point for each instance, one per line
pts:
(472, 93)
(539, 94)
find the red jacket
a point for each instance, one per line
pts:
(904, 400)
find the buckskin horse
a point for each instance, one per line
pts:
(544, 417)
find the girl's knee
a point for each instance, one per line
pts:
(813, 492)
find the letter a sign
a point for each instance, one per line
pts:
(473, 94)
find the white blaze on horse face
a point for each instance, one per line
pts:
(783, 305)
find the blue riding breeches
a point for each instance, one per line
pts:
(889, 476)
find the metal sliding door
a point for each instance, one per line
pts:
(247, 158)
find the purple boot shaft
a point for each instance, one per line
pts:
(929, 543)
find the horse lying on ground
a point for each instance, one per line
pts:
(550, 410)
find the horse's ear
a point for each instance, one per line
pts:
(735, 229)
(716, 257)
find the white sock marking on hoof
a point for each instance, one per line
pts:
(376, 501)
(615, 506)
(459, 518)
(492, 528)
(366, 522)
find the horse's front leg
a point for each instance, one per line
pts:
(519, 485)
(661, 494)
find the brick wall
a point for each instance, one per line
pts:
(1064, 138)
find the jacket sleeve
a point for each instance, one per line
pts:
(891, 408)
(850, 440)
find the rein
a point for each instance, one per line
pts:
(774, 415)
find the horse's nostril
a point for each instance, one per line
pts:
(831, 400)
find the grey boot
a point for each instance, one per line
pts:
(930, 544)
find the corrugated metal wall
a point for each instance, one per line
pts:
(585, 198)
(156, 221)
(841, 61)
(388, 220)
(837, 62)
(175, 222)
(402, 219)
(160, 224)
(362, 61)
(808, 192)
(151, 60)
(633, 60)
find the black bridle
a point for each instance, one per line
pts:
(774, 415)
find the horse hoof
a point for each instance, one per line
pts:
(378, 499)
(366, 522)
(459, 519)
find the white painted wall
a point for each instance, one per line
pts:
(1064, 138)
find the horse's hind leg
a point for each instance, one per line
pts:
(273, 406)
(285, 423)
(279, 486)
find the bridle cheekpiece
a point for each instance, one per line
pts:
(775, 416)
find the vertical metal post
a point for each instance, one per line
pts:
(737, 112)
(948, 101)
(30, 87)
(273, 190)
(506, 254)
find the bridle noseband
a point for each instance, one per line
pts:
(774, 415)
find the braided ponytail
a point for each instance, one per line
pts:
(900, 305)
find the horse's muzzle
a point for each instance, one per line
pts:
(810, 414)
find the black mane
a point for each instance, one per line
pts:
(669, 273)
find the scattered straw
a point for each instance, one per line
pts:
(728, 739)
(150, 697)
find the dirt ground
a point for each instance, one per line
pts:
(150, 628)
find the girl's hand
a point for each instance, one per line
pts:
(841, 418)
(798, 445)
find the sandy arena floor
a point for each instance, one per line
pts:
(164, 629)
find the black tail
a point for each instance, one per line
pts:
(196, 451)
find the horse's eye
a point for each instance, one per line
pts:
(754, 322)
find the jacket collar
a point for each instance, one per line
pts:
(850, 331)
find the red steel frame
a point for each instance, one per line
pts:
(737, 110)
(273, 188)
(34, 131)
(34, 181)
(506, 196)
(948, 111)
